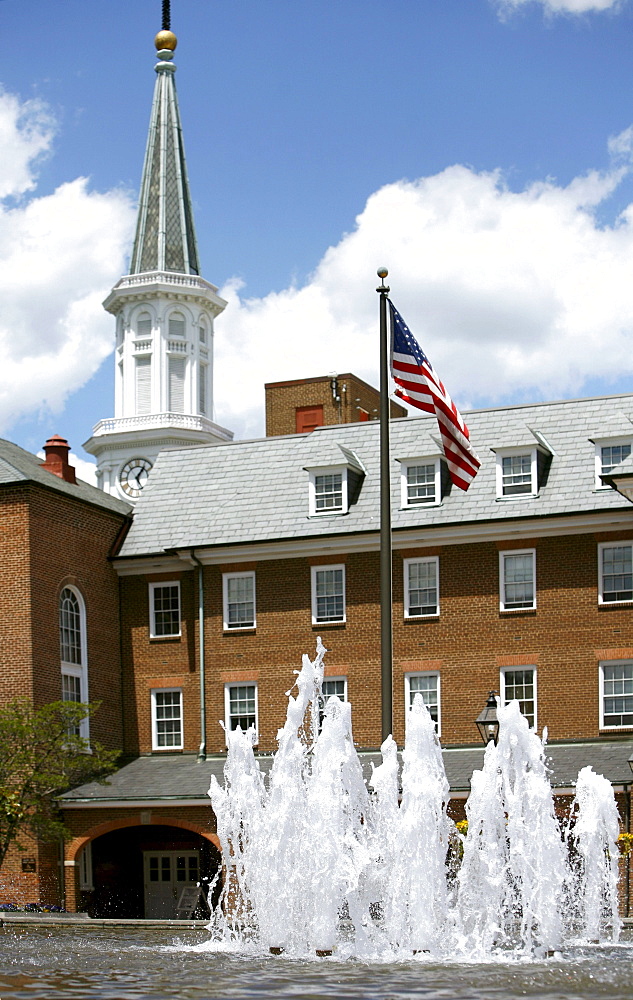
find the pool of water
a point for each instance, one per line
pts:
(125, 964)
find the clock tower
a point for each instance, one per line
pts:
(164, 313)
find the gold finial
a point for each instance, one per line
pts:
(165, 40)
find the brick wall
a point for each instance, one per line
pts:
(564, 638)
(16, 679)
(283, 399)
(48, 541)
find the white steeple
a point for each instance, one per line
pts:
(164, 314)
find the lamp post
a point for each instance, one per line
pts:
(487, 722)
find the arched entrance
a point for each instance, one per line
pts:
(140, 871)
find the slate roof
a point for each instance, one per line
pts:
(181, 777)
(20, 466)
(257, 491)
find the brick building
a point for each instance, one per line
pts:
(56, 538)
(305, 403)
(523, 585)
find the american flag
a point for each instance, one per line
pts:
(419, 385)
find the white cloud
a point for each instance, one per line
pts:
(59, 254)
(513, 295)
(562, 6)
(84, 470)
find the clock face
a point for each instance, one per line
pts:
(133, 476)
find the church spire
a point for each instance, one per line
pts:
(165, 238)
(164, 312)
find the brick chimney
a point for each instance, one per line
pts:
(57, 450)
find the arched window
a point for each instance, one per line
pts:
(73, 650)
(144, 325)
(176, 325)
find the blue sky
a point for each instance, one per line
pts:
(478, 149)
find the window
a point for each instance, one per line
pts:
(176, 384)
(167, 733)
(328, 491)
(517, 580)
(144, 325)
(143, 383)
(73, 651)
(608, 457)
(421, 597)
(615, 573)
(240, 706)
(164, 602)
(202, 388)
(517, 474)
(519, 684)
(421, 482)
(202, 333)
(332, 687)
(426, 684)
(176, 326)
(328, 594)
(616, 694)
(239, 600)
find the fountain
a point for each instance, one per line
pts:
(319, 861)
(374, 875)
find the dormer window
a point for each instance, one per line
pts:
(517, 473)
(328, 491)
(609, 454)
(420, 482)
(335, 487)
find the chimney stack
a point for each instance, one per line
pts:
(57, 450)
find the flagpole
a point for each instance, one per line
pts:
(386, 627)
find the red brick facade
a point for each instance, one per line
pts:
(564, 638)
(49, 541)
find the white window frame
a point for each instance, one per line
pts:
(227, 704)
(502, 581)
(405, 465)
(408, 701)
(602, 665)
(512, 453)
(325, 698)
(314, 570)
(627, 543)
(152, 610)
(79, 670)
(155, 740)
(407, 592)
(226, 578)
(502, 686)
(332, 470)
(608, 443)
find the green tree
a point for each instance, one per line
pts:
(42, 755)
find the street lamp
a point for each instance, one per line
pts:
(487, 722)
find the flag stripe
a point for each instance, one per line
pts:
(418, 384)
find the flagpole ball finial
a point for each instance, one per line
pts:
(382, 272)
(165, 40)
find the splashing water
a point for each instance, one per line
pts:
(314, 861)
